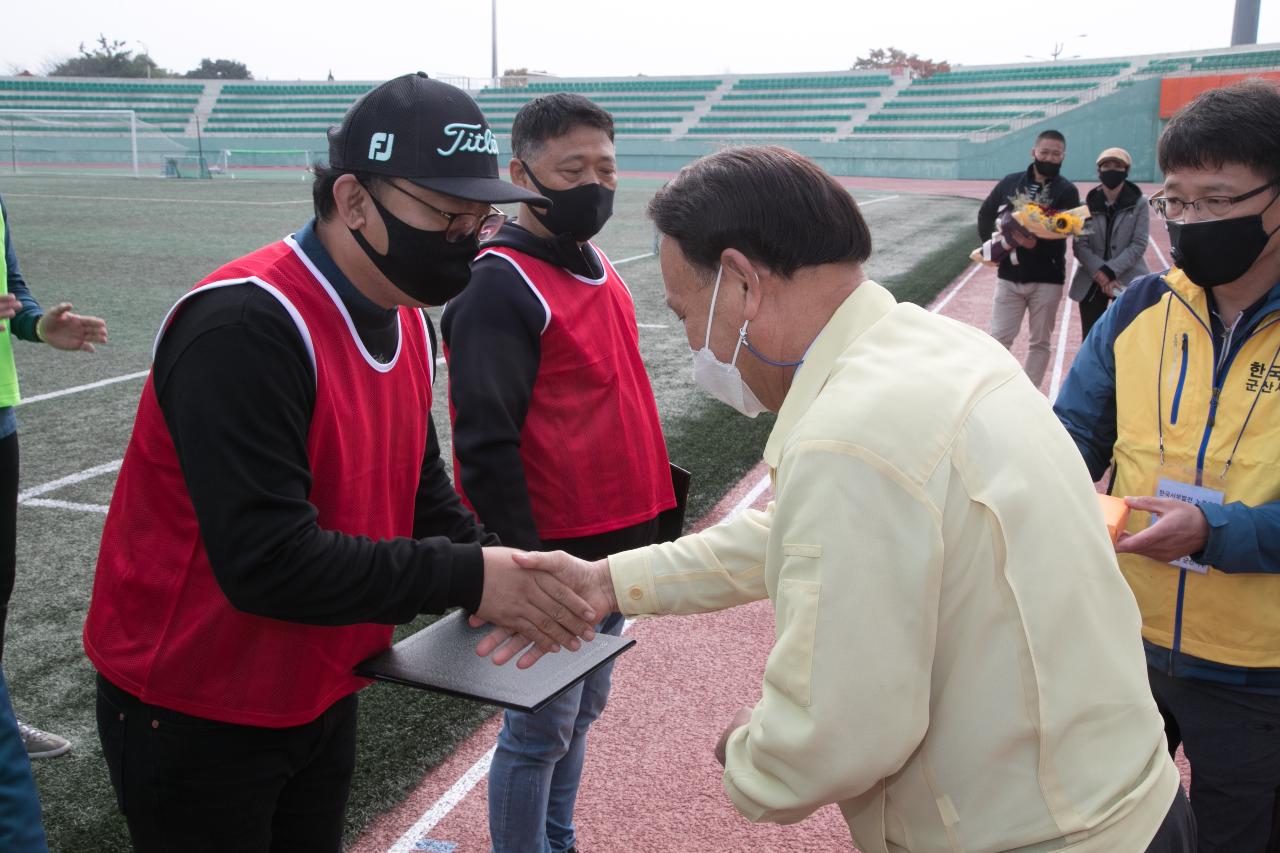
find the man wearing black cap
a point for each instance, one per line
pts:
(282, 501)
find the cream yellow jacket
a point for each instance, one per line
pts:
(957, 661)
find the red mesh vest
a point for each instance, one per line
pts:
(592, 446)
(159, 626)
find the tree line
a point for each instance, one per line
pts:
(111, 58)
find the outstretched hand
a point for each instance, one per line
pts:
(1181, 530)
(61, 329)
(534, 605)
(592, 581)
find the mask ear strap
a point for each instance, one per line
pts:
(742, 339)
(706, 344)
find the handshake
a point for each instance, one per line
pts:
(539, 602)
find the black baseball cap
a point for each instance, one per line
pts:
(429, 133)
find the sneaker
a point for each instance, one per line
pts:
(42, 744)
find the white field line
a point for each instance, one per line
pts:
(878, 200)
(1059, 358)
(458, 790)
(69, 480)
(1159, 254)
(634, 258)
(86, 387)
(937, 309)
(196, 201)
(72, 505)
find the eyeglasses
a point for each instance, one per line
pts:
(463, 225)
(1217, 206)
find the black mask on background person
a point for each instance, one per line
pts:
(1219, 251)
(1047, 168)
(1112, 178)
(580, 212)
(423, 264)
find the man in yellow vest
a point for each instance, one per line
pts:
(21, 316)
(1178, 385)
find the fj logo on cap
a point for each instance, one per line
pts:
(380, 145)
(468, 138)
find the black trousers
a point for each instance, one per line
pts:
(191, 785)
(1232, 740)
(8, 526)
(1177, 834)
(1091, 308)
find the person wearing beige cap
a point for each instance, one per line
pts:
(1112, 253)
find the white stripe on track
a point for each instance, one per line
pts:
(101, 383)
(878, 200)
(1159, 254)
(456, 794)
(748, 499)
(70, 480)
(970, 274)
(1059, 358)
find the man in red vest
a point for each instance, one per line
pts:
(557, 441)
(282, 501)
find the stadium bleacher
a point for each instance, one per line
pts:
(827, 106)
(167, 106)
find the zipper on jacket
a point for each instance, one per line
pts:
(1177, 620)
(1182, 379)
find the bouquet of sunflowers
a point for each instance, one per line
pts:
(1024, 218)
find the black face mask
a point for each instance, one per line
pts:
(1220, 251)
(1048, 169)
(579, 212)
(1112, 178)
(423, 264)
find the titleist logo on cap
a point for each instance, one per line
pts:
(467, 138)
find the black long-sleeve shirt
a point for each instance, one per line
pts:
(494, 333)
(1045, 262)
(236, 387)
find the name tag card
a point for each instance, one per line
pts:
(1187, 493)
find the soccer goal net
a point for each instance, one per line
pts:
(106, 142)
(267, 162)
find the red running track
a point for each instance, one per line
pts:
(651, 783)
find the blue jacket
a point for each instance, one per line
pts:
(1156, 391)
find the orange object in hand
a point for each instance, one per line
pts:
(1116, 513)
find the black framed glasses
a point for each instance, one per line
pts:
(1216, 206)
(463, 225)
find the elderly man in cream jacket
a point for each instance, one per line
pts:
(958, 662)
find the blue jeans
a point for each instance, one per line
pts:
(533, 781)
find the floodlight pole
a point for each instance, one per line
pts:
(494, 66)
(1244, 27)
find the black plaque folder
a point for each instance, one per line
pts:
(442, 658)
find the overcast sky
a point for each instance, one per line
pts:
(378, 39)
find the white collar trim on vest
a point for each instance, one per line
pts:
(288, 306)
(342, 309)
